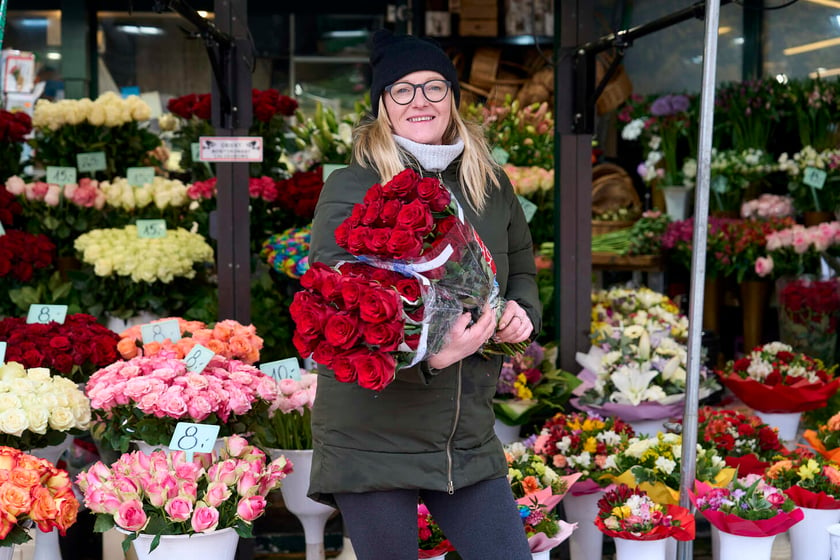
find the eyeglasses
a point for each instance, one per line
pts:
(403, 92)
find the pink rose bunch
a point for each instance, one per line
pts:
(289, 421)
(145, 397)
(799, 250)
(768, 206)
(227, 338)
(86, 193)
(165, 493)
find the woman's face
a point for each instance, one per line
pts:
(421, 121)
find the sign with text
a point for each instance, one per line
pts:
(40, 313)
(90, 162)
(61, 175)
(2, 352)
(198, 358)
(230, 148)
(814, 177)
(139, 176)
(194, 438)
(282, 369)
(151, 229)
(160, 331)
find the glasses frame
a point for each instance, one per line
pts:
(422, 88)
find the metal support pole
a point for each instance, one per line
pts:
(698, 263)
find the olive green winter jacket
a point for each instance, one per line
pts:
(424, 430)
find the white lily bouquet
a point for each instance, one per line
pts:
(637, 373)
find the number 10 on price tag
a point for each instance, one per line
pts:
(282, 369)
(194, 438)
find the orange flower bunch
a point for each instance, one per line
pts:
(33, 490)
(227, 338)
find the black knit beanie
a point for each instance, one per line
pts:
(394, 56)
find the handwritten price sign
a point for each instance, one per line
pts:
(151, 229)
(198, 358)
(194, 438)
(91, 161)
(61, 175)
(44, 314)
(160, 331)
(139, 176)
(2, 352)
(814, 177)
(282, 369)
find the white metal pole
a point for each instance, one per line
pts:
(698, 263)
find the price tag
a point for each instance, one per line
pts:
(282, 369)
(528, 207)
(139, 176)
(151, 229)
(719, 184)
(61, 175)
(43, 314)
(2, 230)
(198, 358)
(2, 352)
(230, 148)
(814, 177)
(160, 331)
(195, 151)
(499, 155)
(194, 438)
(91, 161)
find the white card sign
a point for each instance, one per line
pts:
(39, 313)
(230, 148)
(282, 369)
(194, 438)
(198, 358)
(160, 331)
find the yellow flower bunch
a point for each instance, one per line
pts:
(119, 251)
(109, 109)
(161, 192)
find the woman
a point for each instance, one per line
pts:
(429, 433)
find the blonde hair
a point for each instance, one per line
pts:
(374, 147)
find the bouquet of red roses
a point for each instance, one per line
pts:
(773, 378)
(744, 441)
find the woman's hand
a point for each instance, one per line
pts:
(514, 325)
(464, 340)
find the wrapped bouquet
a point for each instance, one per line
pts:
(744, 441)
(826, 439)
(629, 513)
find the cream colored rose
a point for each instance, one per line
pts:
(96, 117)
(9, 401)
(13, 421)
(113, 115)
(38, 417)
(62, 419)
(12, 370)
(39, 375)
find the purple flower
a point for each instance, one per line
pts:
(669, 105)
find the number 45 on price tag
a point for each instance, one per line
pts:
(282, 369)
(194, 438)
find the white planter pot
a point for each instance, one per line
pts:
(587, 541)
(506, 434)
(809, 539)
(544, 555)
(7, 552)
(834, 536)
(736, 547)
(677, 202)
(218, 545)
(628, 549)
(786, 422)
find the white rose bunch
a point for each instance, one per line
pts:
(108, 109)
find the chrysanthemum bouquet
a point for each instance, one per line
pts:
(164, 494)
(747, 506)
(811, 482)
(654, 465)
(73, 349)
(145, 397)
(227, 338)
(629, 513)
(530, 384)
(620, 307)
(826, 439)
(289, 418)
(636, 373)
(34, 491)
(37, 409)
(774, 378)
(582, 443)
(431, 541)
(742, 439)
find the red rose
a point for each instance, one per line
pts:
(741, 364)
(405, 244)
(403, 185)
(430, 191)
(372, 212)
(374, 369)
(60, 343)
(182, 106)
(373, 195)
(357, 240)
(417, 217)
(342, 330)
(309, 324)
(768, 438)
(320, 278)
(352, 289)
(409, 288)
(286, 105)
(63, 363)
(412, 340)
(202, 107)
(31, 358)
(324, 353)
(378, 305)
(305, 346)
(390, 209)
(377, 242)
(356, 215)
(386, 277)
(343, 367)
(387, 336)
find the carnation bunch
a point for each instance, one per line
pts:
(289, 424)
(812, 482)
(37, 409)
(431, 541)
(654, 465)
(581, 442)
(145, 397)
(164, 494)
(34, 491)
(629, 513)
(774, 378)
(742, 439)
(227, 338)
(73, 349)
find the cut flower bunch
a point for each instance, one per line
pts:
(744, 441)
(799, 250)
(826, 438)
(811, 482)
(629, 513)
(620, 307)
(37, 409)
(34, 490)
(164, 494)
(289, 424)
(145, 397)
(431, 542)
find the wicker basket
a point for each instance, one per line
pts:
(612, 189)
(607, 226)
(617, 90)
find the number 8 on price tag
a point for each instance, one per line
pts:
(194, 438)
(282, 369)
(198, 358)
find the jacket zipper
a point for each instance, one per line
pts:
(450, 486)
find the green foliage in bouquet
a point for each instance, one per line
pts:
(325, 137)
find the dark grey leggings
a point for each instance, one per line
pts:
(482, 522)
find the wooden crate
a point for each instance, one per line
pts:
(478, 27)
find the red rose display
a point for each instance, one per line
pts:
(300, 192)
(22, 253)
